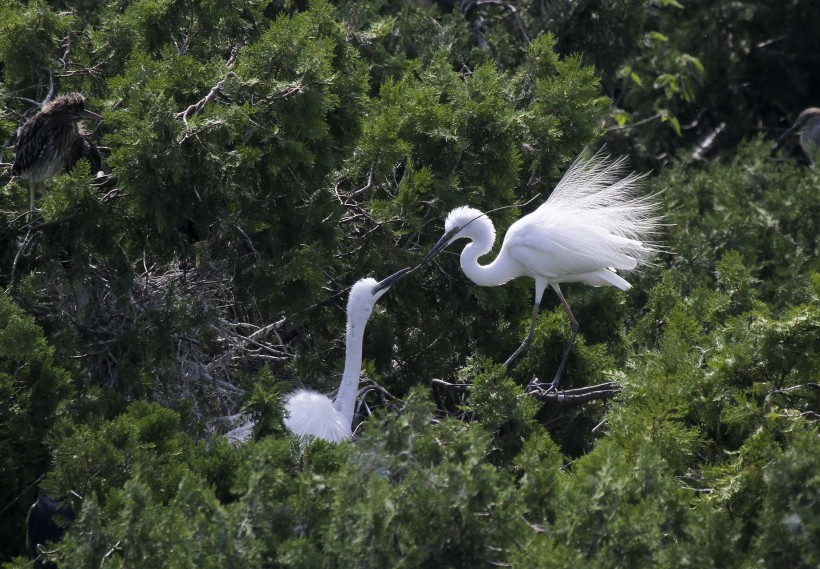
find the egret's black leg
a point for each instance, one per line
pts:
(535, 384)
(528, 340)
(574, 325)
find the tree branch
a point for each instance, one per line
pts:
(580, 395)
(197, 108)
(569, 396)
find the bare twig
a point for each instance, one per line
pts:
(634, 124)
(457, 387)
(232, 56)
(186, 40)
(95, 71)
(67, 53)
(569, 396)
(580, 395)
(28, 243)
(197, 107)
(111, 552)
(21, 494)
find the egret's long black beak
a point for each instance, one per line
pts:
(391, 280)
(88, 115)
(440, 244)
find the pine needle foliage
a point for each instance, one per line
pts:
(266, 155)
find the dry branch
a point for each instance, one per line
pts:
(197, 107)
(568, 397)
(575, 396)
(200, 359)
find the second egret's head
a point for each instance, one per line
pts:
(381, 287)
(465, 222)
(366, 292)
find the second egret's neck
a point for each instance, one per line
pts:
(501, 270)
(345, 401)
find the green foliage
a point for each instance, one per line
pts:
(789, 521)
(29, 34)
(94, 459)
(637, 517)
(142, 481)
(269, 154)
(765, 211)
(32, 388)
(416, 494)
(502, 408)
(265, 405)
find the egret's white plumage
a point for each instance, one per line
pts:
(591, 225)
(313, 414)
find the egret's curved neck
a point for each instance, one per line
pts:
(501, 270)
(345, 401)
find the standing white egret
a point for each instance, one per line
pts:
(312, 413)
(591, 225)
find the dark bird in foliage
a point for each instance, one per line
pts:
(51, 142)
(46, 523)
(808, 127)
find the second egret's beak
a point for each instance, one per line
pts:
(88, 115)
(440, 244)
(391, 280)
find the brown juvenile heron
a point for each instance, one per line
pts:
(808, 125)
(51, 142)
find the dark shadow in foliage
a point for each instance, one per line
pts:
(46, 522)
(32, 387)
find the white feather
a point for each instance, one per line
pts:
(312, 414)
(592, 224)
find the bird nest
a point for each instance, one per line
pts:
(175, 335)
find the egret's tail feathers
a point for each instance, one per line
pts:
(604, 277)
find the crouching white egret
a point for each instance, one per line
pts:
(312, 413)
(592, 224)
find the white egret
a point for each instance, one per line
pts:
(315, 414)
(591, 225)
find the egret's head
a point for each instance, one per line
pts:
(468, 222)
(465, 222)
(366, 292)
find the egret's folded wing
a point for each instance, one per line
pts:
(554, 250)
